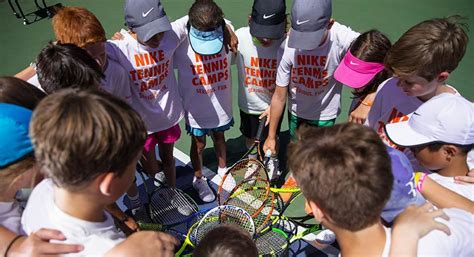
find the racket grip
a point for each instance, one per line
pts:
(261, 125)
(150, 226)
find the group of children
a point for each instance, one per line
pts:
(94, 107)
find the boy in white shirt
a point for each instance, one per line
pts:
(347, 185)
(439, 139)
(146, 53)
(87, 144)
(309, 57)
(421, 61)
(257, 66)
(205, 85)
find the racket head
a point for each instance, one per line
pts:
(241, 170)
(224, 214)
(254, 196)
(170, 206)
(275, 239)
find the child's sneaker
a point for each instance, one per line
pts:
(251, 171)
(203, 189)
(273, 169)
(161, 179)
(326, 237)
(132, 203)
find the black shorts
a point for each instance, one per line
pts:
(249, 125)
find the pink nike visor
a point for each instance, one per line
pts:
(355, 73)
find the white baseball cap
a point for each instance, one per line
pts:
(446, 118)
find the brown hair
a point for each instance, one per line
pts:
(19, 92)
(371, 46)
(205, 14)
(78, 135)
(429, 48)
(226, 240)
(77, 25)
(345, 170)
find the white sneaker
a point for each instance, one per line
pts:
(326, 237)
(203, 189)
(251, 170)
(160, 176)
(182, 208)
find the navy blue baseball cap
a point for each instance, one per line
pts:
(268, 19)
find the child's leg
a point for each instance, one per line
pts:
(148, 160)
(220, 148)
(198, 143)
(169, 167)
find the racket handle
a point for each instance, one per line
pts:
(150, 226)
(261, 125)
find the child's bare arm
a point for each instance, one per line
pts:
(411, 225)
(276, 110)
(361, 112)
(37, 244)
(144, 244)
(119, 215)
(469, 179)
(440, 196)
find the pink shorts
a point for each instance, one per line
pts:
(167, 136)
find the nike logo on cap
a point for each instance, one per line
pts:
(301, 22)
(144, 14)
(353, 63)
(268, 16)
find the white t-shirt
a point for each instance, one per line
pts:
(205, 84)
(256, 68)
(116, 81)
(42, 212)
(392, 105)
(155, 93)
(448, 182)
(314, 94)
(10, 216)
(459, 244)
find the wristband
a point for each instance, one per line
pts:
(419, 180)
(366, 103)
(11, 244)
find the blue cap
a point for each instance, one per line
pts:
(14, 127)
(206, 42)
(403, 191)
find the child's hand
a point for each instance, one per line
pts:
(117, 36)
(230, 40)
(266, 113)
(420, 220)
(37, 244)
(469, 179)
(144, 244)
(270, 144)
(360, 114)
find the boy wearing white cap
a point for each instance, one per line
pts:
(421, 62)
(205, 85)
(309, 57)
(257, 66)
(440, 139)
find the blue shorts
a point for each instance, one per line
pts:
(199, 132)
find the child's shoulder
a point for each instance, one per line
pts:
(242, 32)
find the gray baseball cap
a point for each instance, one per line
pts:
(309, 21)
(146, 18)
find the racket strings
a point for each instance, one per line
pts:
(272, 243)
(170, 206)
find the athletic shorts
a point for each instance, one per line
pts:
(249, 125)
(167, 136)
(294, 122)
(199, 132)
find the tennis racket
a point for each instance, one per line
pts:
(224, 214)
(166, 206)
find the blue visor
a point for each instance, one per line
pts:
(14, 127)
(206, 42)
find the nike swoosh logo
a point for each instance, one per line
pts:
(144, 14)
(266, 17)
(353, 63)
(301, 22)
(415, 113)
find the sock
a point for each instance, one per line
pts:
(221, 171)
